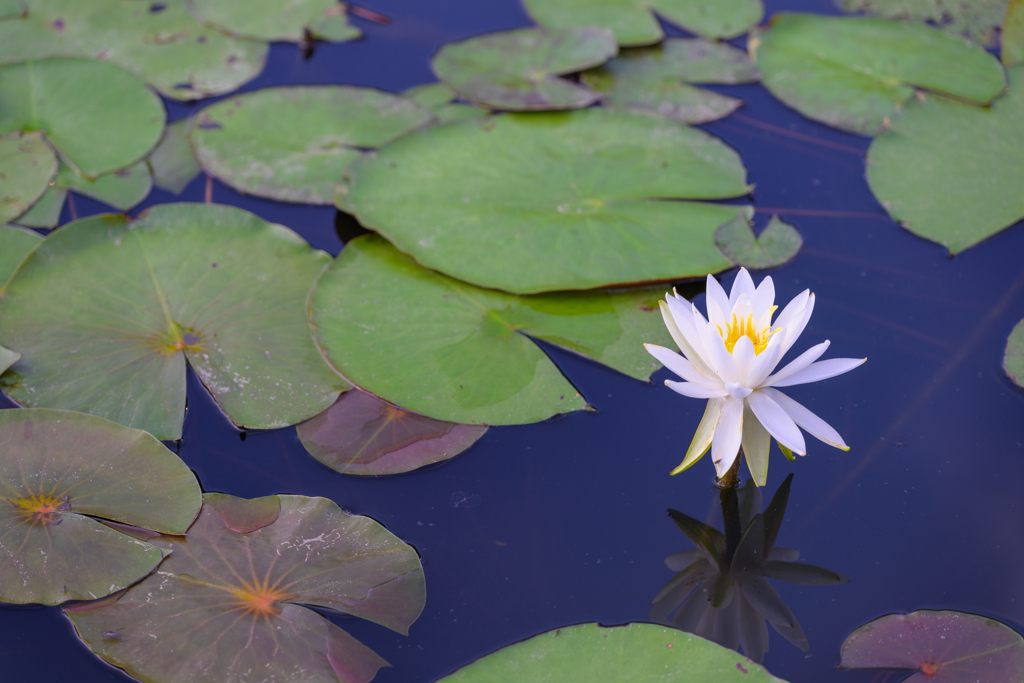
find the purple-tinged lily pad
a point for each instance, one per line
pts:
(361, 434)
(226, 603)
(944, 647)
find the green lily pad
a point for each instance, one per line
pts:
(594, 653)
(440, 99)
(106, 311)
(551, 201)
(45, 213)
(455, 352)
(1012, 35)
(11, 8)
(360, 434)
(121, 189)
(172, 162)
(519, 70)
(778, 243)
(1013, 358)
(294, 143)
(62, 470)
(633, 21)
(277, 20)
(169, 49)
(961, 191)
(7, 358)
(99, 117)
(854, 73)
(978, 19)
(232, 597)
(26, 166)
(15, 244)
(658, 78)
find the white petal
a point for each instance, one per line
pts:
(716, 300)
(756, 442)
(743, 355)
(705, 432)
(737, 390)
(682, 367)
(728, 434)
(764, 297)
(695, 390)
(778, 423)
(764, 363)
(799, 363)
(796, 328)
(682, 314)
(722, 360)
(814, 425)
(793, 309)
(823, 369)
(743, 284)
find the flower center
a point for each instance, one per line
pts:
(260, 600)
(40, 509)
(744, 327)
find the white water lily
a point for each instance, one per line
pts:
(730, 358)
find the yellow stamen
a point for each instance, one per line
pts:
(744, 327)
(41, 509)
(259, 598)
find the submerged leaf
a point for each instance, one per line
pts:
(26, 166)
(15, 244)
(978, 19)
(172, 162)
(277, 20)
(1013, 358)
(777, 244)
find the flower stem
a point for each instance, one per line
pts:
(730, 479)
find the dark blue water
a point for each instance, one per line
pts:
(569, 522)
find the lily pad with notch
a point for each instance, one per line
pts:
(777, 244)
(977, 19)
(277, 20)
(27, 164)
(15, 243)
(1013, 357)
(172, 162)
(441, 100)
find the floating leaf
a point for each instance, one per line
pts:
(456, 352)
(15, 243)
(360, 434)
(26, 166)
(944, 646)
(1012, 35)
(594, 653)
(106, 311)
(227, 603)
(551, 201)
(121, 189)
(1013, 358)
(975, 18)
(165, 46)
(277, 20)
(172, 162)
(440, 99)
(778, 243)
(961, 191)
(633, 21)
(519, 70)
(59, 470)
(293, 144)
(11, 8)
(853, 73)
(45, 213)
(7, 358)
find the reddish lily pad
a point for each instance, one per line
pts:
(239, 598)
(361, 434)
(944, 647)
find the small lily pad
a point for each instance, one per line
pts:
(519, 70)
(59, 472)
(944, 647)
(1013, 358)
(15, 244)
(978, 19)
(856, 72)
(172, 162)
(121, 189)
(277, 20)
(778, 243)
(440, 99)
(360, 434)
(294, 143)
(234, 596)
(7, 358)
(45, 213)
(26, 166)
(1012, 35)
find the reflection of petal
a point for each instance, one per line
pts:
(720, 590)
(784, 554)
(775, 513)
(727, 624)
(753, 632)
(800, 574)
(750, 551)
(750, 502)
(677, 562)
(766, 601)
(794, 635)
(702, 535)
(699, 571)
(692, 610)
(706, 626)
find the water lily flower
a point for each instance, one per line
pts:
(730, 359)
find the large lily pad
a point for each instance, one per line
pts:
(27, 164)
(854, 73)
(459, 353)
(294, 143)
(778, 243)
(961, 191)
(159, 42)
(231, 599)
(106, 311)
(519, 70)
(552, 201)
(978, 19)
(633, 21)
(277, 20)
(15, 243)
(59, 471)
(98, 116)
(1013, 357)
(1012, 50)
(172, 162)
(11, 8)
(360, 434)
(944, 647)
(594, 653)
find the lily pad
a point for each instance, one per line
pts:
(11, 8)
(633, 21)
(232, 597)
(277, 20)
(455, 352)
(658, 78)
(519, 70)
(944, 647)
(45, 213)
(26, 166)
(360, 434)
(1012, 35)
(964, 190)
(594, 653)
(1013, 358)
(106, 311)
(59, 472)
(978, 19)
(778, 243)
(121, 189)
(294, 143)
(440, 99)
(552, 201)
(172, 161)
(854, 73)
(169, 49)
(7, 358)
(15, 243)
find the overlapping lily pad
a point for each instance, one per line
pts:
(634, 22)
(459, 353)
(231, 598)
(552, 201)
(106, 311)
(121, 189)
(59, 472)
(7, 358)
(45, 213)
(15, 243)
(172, 162)
(854, 73)
(1013, 358)
(293, 144)
(26, 166)
(944, 647)
(978, 19)
(277, 20)
(1012, 35)
(961, 191)
(440, 99)
(360, 434)
(778, 243)
(519, 70)
(11, 8)
(159, 42)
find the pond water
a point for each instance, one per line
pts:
(551, 524)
